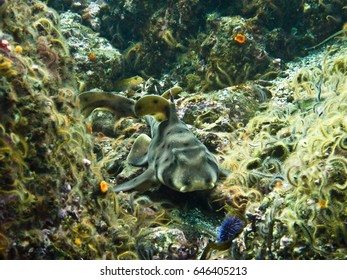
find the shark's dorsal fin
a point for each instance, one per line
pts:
(138, 155)
(153, 105)
(174, 91)
(119, 105)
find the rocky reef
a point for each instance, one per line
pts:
(207, 45)
(262, 84)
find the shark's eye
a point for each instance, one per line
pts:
(187, 182)
(155, 101)
(169, 182)
(186, 144)
(208, 181)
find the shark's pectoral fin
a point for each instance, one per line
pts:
(141, 183)
(138, 155)
(120, 105)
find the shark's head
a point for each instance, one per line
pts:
(180, 160)
(191, 170)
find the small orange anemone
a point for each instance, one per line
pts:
(92, 56)
(279, 184)
(78, 241)
(240, 38)
(18, 49)
(322, 204)
(103, 186)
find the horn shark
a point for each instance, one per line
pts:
(174, 156)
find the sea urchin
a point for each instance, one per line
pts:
(230, 228)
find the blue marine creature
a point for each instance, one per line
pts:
(174, 156)
(230, 228)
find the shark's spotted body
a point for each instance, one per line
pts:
(174, 156)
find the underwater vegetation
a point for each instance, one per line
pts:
(278, 127)
(43, 143)
(297, 161)
(205, 44)
(54, 203)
